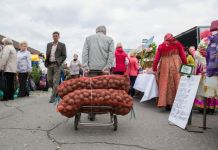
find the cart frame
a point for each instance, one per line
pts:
(112, 122)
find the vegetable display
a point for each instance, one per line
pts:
(147, 56)
(107, 90)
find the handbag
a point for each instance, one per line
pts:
(42, 82)
(3, 81)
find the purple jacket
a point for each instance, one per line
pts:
(212, 56)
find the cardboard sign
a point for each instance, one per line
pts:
(184, 100)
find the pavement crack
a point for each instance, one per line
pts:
(108, 143)
(16, 107)
(6, 116)
(121, 144)
(59, 143)
(52, 138)
(5, 103)
(24, 129)
(20, 110)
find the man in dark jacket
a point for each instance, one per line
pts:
(55, 56)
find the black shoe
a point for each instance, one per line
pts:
(19, 95)
(212, 111)
(201, 110)
(168, 108)
(52, 101)
(91, 117)
(4, 100)
(132, 95)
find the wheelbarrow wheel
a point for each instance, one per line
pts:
(76, 122)
(115, 123)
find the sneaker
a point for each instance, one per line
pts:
(52, 100)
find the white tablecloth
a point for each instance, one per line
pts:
(146, 83)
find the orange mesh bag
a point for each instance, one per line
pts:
(117, 82)
(119, 100)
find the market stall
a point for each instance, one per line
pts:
(191, 37)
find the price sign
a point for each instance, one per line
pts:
(186, 69)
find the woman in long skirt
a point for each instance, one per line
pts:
(204, 91)
(170, 55)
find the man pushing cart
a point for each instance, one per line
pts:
(98, 55)
(98, 92)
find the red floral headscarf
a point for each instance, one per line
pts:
(169, 39)
(205, 33)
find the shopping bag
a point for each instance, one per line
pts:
(1, 94)
(3, 82)
(42, 82)
(32, 84)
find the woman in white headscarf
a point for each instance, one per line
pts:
(24, 67)
(75, 66)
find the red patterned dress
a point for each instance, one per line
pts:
(169, 56)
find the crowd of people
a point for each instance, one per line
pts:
(99, 56)
(206, 65)
(169, 57)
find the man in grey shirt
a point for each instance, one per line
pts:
(98, 55)
(98, 51)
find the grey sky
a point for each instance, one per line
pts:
(127, 21)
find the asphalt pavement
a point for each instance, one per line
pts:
(33, 124)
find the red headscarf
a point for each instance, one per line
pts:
(205, 33)
(169, 39)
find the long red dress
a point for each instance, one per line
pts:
(169, 56)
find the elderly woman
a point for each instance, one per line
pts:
(24, 67)
(170, 55)
(75, 66)
(8, 66)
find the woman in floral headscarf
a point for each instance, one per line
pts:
(203, 90)
(171, 55)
